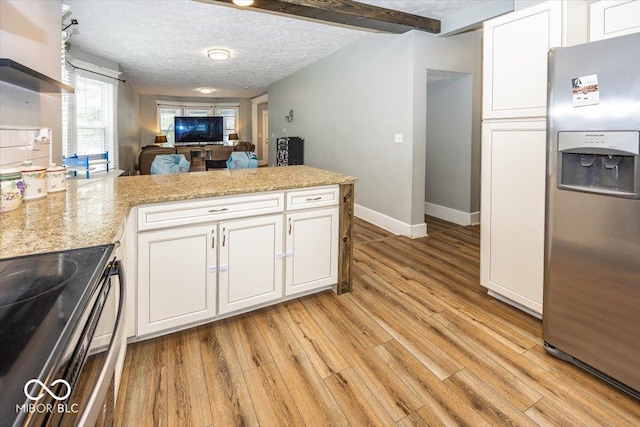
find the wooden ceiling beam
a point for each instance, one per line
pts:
(347, 12)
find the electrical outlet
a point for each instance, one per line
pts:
(397, 138)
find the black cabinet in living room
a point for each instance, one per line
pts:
(290, 151)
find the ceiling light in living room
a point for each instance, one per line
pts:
(205, 89)
(218, 54)
(243, 2)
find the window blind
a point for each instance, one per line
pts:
(90, 115)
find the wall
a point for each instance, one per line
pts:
(349, 105)
(448, 157)
(149, 120)
(128, 127)
(30, 35)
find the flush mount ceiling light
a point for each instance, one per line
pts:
(243, 2)
(220, 54)
(205, 89)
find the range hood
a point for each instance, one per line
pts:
(25, 77)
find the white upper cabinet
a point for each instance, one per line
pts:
(515, 61)
(613, 18)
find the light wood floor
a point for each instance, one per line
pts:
(437, 225)
(418, 342)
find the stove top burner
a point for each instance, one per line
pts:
(26, 279)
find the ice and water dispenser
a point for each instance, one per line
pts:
(600, 162)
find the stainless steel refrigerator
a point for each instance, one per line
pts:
(591, 306)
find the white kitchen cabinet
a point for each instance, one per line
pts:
(176, 277)
(612, 18)
(310, 198)
(175, 214)
(311, 250)
(251, 262)
(515, 60)
(204, 259)
(513, 204)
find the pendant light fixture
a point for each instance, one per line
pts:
(243, 2)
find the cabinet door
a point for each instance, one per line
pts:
(613, 18)
(176, 277)
(515, 60)
(311, 250)
(513, 203)
(250, 269)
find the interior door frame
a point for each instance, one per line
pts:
(254, 116)
(265, 136)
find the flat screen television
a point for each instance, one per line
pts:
(194, 130)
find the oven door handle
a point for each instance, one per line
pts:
(92, 411)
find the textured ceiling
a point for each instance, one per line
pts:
(161, 45)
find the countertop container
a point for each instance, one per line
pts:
(56, 178)
(11, 189)
(35, 181)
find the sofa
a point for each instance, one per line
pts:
(244, 146)
(149, 153)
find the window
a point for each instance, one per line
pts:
(230, 115)
(165, 121)
(167, 111)
(89, 116)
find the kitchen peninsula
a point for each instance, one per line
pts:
(223, 207)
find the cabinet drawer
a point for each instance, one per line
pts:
(175, 214)
(313, 198)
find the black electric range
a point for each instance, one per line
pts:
(42, 298)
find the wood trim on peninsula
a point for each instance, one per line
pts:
(345, 248)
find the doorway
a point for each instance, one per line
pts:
(448, 166)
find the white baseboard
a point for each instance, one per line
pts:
(390, 224)
(452, 215)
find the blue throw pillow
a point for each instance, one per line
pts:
(169, 163)
(242, 160)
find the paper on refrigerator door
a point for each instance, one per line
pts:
(585, 90)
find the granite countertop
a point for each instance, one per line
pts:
(91, 214)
